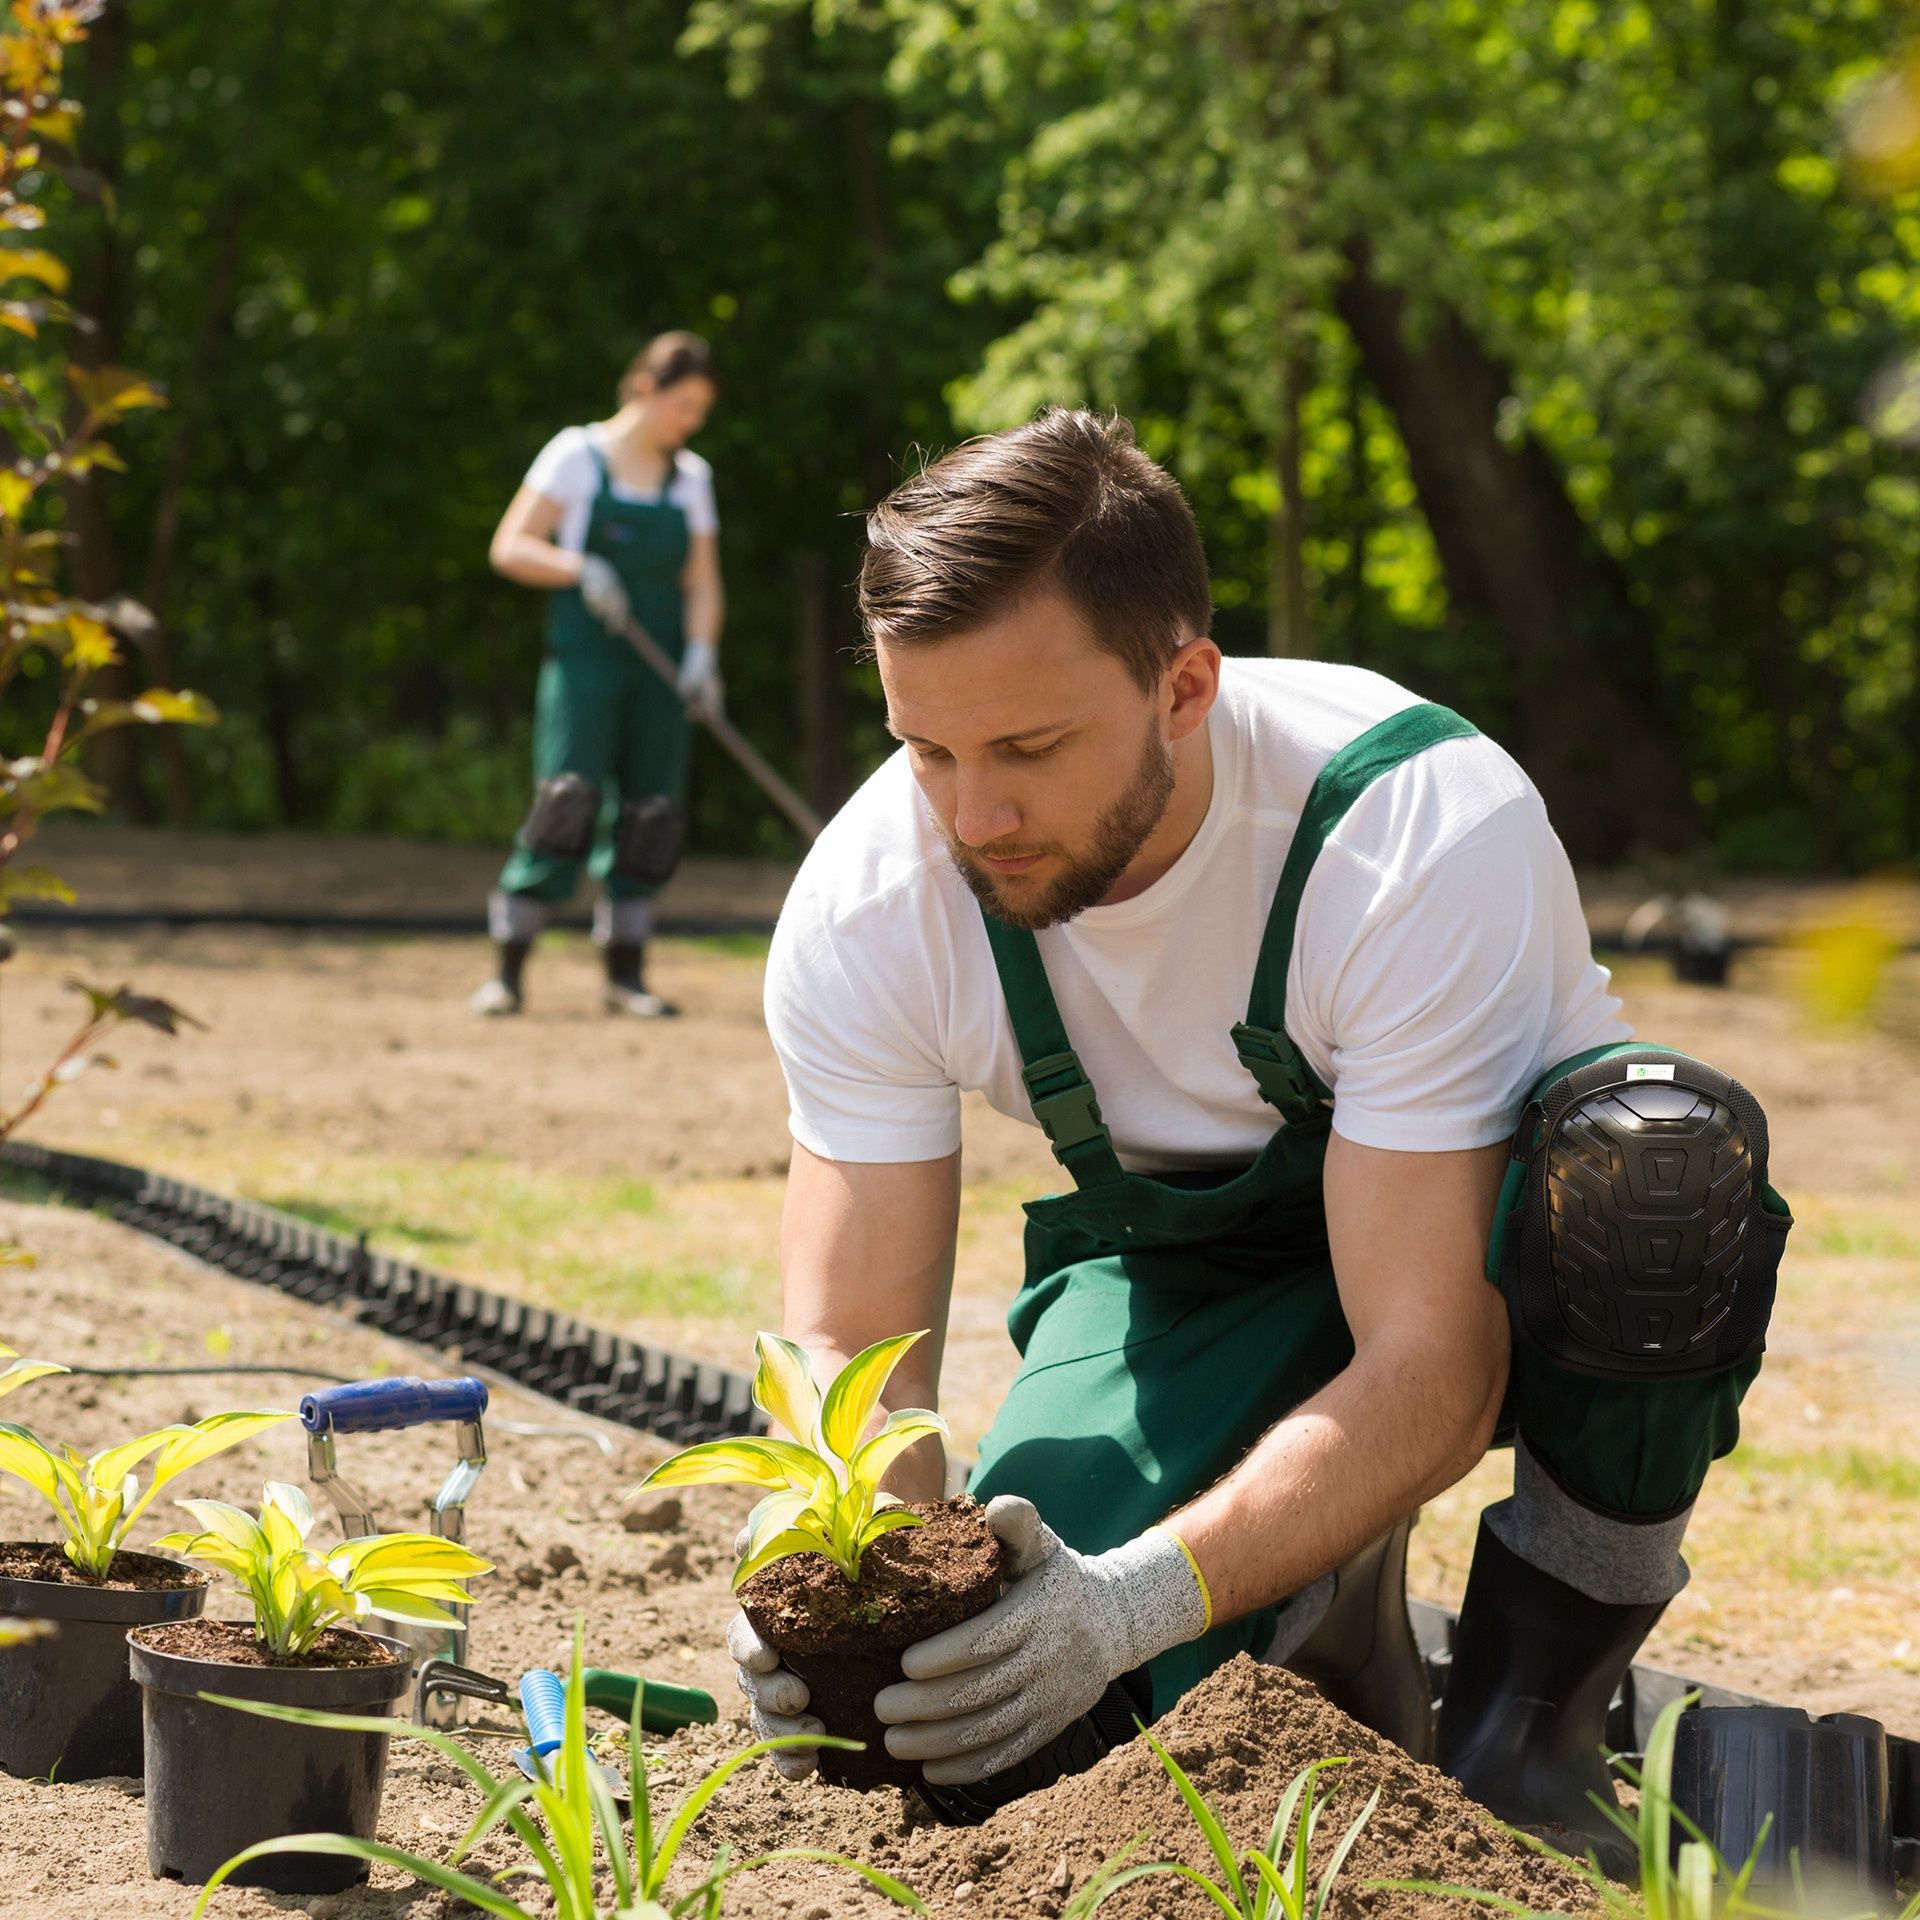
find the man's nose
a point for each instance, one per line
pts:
(982, 811)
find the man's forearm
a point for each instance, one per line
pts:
(1402, 1423)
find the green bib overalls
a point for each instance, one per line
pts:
(1167, 1321)
(599, 711)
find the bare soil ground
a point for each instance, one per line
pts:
(648, 1583)
(633, 1173)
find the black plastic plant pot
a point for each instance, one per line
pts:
(68, 1707)
(1824, 1782)
(219, 1780)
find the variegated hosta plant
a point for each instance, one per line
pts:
(824, 1484)
(299, 1591)
(15, 1372)
(97, 1500)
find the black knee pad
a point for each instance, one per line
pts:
(559, 825)
(1636, 1235)
(648, 839)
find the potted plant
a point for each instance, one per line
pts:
(220, 1781)
(617, 1880)
(68, 1710)
(836, 1575)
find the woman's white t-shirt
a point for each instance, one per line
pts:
(1441, 961)
(565, 471)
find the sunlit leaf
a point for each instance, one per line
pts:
(34, 263)
(856, 1392)
(783, 1386)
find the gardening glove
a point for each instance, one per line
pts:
(981, 1696)
(700, 684)
(604, 591)
(775, 1695)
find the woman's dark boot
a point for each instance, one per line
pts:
(626, 990)
(1523, 1722)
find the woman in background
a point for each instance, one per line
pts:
(617, 520)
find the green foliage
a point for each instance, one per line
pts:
(97, 1499)
(577, 1808)
(825, 1483)
(1693, 1881)
(1274, 1889)
(299, 1592)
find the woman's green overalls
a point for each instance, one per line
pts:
(1166, 1322)
(600, 712)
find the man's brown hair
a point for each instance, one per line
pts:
(1067, 503)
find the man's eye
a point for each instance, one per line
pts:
(1038, 753)
(930, 753)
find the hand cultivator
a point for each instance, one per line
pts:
(388, 1406)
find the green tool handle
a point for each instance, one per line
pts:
(664, 1707)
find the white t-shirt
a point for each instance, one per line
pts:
(566, 471)
(1440, 961)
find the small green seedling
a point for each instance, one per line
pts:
(97, 1500)
(17, 1372)
(299, 1591)
(1273, 1890)
(576, 1805)
(825, 1482)
(1694, 1881)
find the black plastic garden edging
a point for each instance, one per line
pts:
(607, 1375)
(582, 1366)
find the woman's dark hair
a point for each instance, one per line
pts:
(667, 360)
(1067, 503)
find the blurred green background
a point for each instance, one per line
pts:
(1516, 350)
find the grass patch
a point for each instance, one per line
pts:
(745, 945)
(1885, 1476)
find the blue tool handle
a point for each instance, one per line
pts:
(544, 1701)
(383, 1406)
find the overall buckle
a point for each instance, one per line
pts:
(1069, 1114)
(1278, 1070)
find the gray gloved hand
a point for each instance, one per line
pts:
(776, 1697)
(603, 590)
(983, 1695)
(700, 684)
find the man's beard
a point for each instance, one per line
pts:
(1119, 833)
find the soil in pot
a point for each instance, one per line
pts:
(218, 1780)
(68, 1707)
(845, 1641)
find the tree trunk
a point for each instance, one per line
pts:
(823, 718)
(1289, 624)
(1515, 551)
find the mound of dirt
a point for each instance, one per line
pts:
(1241, 1737)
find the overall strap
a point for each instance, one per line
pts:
(1057, 1085)
(1286, 1081)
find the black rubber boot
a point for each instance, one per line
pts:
(501, 994)
(1108, 1723)
(1523, 1723)
(1363, 1655)
(626, 990)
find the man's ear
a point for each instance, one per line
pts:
(1192, 684)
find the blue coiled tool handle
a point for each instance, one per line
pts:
(384, 1406)
(544, 1701)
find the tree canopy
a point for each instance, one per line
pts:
(1515, 350)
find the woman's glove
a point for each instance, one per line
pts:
(700, 684)
(603, 590)
(983, 1695)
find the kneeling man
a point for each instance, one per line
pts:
(1275, 953)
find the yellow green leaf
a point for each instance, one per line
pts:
(115, 390)
(34, 263)
(33, 883)
(17, 317)
(112, 1465)
(903, 1430)
(749, 1463)
(89, 644)
(396, 1603)
(25, 1458)
(888, 1520)
(856, 1392)
(778, 1548)
(19, 1372)
(783, 1386)
(162, 706)
(16, 489)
